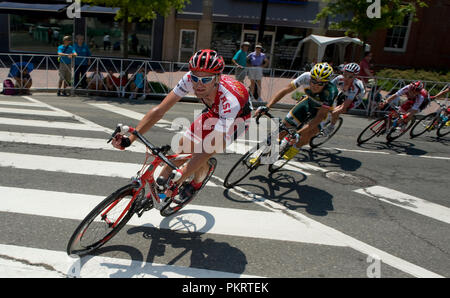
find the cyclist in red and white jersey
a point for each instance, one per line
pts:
(351, 92)
(417, 100)
(223, 120)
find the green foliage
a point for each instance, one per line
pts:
(412, 75)
(158, 87)
(356, 20)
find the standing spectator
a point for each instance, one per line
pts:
(257, 61)
(365, 73)
(106, 41)
(55, 37)
(81, 64)
(65, 53)
(240, 60)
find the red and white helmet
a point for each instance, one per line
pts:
(416, 86)
(207, 61)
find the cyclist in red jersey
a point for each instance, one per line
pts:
(417, 100)
(223, 120)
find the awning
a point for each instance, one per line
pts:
(323, 41)
(98, 9)
(192, 11)
(297, 14)
(10, 7)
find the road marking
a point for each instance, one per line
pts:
(408, 202)
(340, 237)
(69, 165)
(20, 262)
(21, 104)
(33, 112)
(193, 218)
(48, 124)
(92, 125)
(66, 141)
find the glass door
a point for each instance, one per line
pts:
(268, 42)
(187, 44)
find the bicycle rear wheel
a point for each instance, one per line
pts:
(423, 125)
(321, 139)
(443, 130)
(373, 129)
(173, 207)
(103, 222)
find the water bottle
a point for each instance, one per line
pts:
(162, 196)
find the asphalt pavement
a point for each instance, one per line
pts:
(341, 210)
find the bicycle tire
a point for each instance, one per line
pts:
(82, 228)
(169, 210)
(374, 123)
(420, 127)
(442, 127)
(242, 160)
(281, 161)
(390, 137)
(317, 141)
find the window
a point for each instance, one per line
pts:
(41, 34)
(397, 37)
(105, 37)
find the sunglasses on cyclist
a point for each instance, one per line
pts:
(349, 76)
(318, 83)
(205, 80)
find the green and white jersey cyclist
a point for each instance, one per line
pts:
(311, 109)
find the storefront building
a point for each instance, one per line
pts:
(224, 25)
(32, 27)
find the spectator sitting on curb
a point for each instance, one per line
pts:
(95, 81)
(23, 81)
(137, 86)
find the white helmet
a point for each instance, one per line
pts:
(352, 67)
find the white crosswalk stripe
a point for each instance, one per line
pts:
(20, 261)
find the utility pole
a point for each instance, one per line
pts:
(262, 21)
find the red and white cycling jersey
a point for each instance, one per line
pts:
(230, 104)
(355, 92)
(413, 102)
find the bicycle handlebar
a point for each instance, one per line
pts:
(123, 129)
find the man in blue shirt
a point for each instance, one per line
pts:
(240, 61)
(257, 61)
(81, 63)
(65, 53)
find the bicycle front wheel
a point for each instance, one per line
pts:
(103, 222)
(423, 125)
(373, 129)
(321, 139)
(397, 132)
(173, 207)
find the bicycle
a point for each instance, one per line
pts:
(112, 214)
(436, 120)
(251, 160)
(387, 124)
(322, 138)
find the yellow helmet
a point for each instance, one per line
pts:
(322, 72)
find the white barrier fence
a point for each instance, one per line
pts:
(120, 77)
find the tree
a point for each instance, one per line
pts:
(362, 17)
(138, 10)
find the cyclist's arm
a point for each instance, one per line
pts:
(156, 113)
(283, 92)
